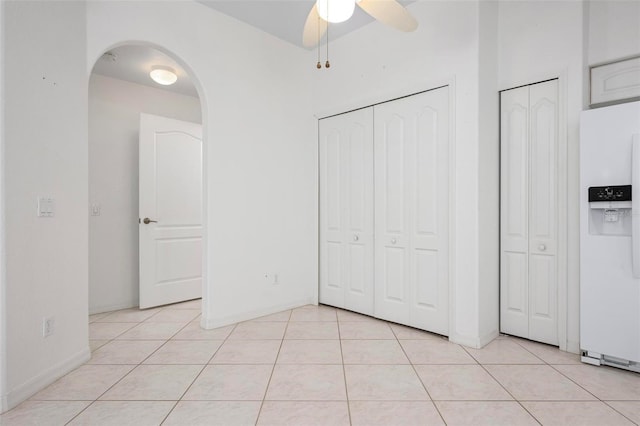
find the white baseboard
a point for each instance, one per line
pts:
(472, 341)
(215, 322)
(488, 338)
(573, 347)
(111, 308)
(44, 379)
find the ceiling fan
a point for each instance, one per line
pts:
(389, 12)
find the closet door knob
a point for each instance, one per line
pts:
(356, 238)
(393, 241)
(542, 247)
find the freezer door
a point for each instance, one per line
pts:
(609, 293)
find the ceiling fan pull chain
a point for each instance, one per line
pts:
(319, 65)
(327, 64)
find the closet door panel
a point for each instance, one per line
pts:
(346, 211)
(359, 215)
(391, 144)
(543, 290)
(429, 233)
(514, 208)
(331, 216)
(411, 160)
(543, 139)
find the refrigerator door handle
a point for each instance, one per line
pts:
(635, 205)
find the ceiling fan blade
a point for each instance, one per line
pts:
(391, 13)
(314, 28)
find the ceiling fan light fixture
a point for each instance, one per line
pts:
(336, 11)
(163, 75)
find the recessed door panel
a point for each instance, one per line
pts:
(357, 269)
(331, 173)
(358, 175)
(394, 279)
(426, 270)
(514, 297)
(543, 291)
(334, 264)
(516, 165)
(427, 159)
(178, 259)
(394, 146)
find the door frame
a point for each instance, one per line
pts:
(390, 96)
(562, 204)
(205, 150)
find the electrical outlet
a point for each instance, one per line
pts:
(47, 326)
(46, 207)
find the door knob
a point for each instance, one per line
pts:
(542, 247)
(147, 221)
(356, 238)
(393, 241)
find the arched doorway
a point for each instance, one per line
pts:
(120, 91)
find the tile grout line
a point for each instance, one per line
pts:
(502, 386)
(617, 411)
(275, 362)
(553, 366)
(344, 369)
(418, 375)
(199, 374)
(120, 379)
(135, 365)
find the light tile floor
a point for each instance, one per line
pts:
(320, 366)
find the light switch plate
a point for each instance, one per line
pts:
(45, 207)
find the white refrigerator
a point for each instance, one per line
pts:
(610, 236)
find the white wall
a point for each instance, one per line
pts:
(114, 117)
(377, 63)
(614, 30)
(260, 149)
(45, 150)
(3, 295)
(540, 40)
(488, 172)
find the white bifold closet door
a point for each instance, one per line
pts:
(346, 211)
(411, 210)
(528, 212)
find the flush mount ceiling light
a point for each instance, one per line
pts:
(163, 75)
(336, 11)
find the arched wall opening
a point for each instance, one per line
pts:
(115, 104)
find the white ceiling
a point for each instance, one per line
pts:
(133, 63)
(284, 19)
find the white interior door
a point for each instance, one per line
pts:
(411, 212)
(529, 212)
(170, 227)
(346, 211)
